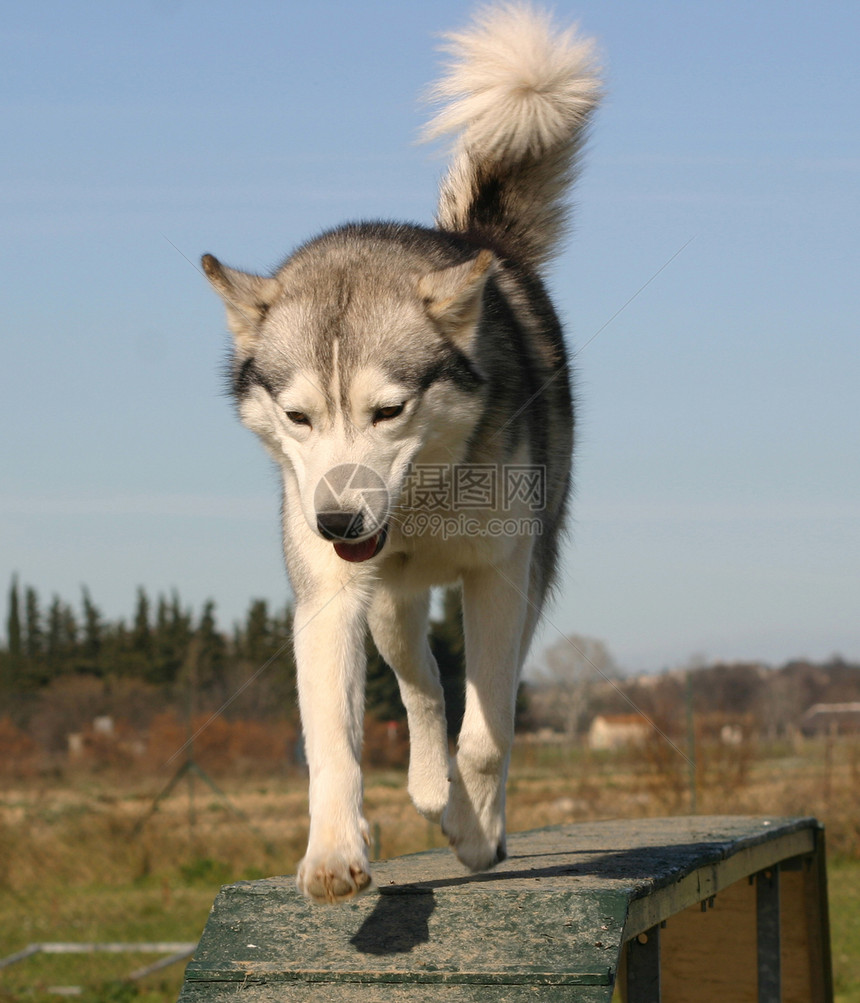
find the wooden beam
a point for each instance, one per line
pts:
(769, 945)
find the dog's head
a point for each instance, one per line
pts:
(355, 360)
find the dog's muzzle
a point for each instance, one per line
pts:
(344, 530)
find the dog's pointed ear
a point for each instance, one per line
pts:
(247, 298)
(452, 297)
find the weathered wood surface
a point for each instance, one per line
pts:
(551, 920)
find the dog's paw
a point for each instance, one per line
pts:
(474, 819)
(428, 788)
(333, 877)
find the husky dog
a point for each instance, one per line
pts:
(386, 365)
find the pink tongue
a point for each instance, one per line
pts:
(356, 552)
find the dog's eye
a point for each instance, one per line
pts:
(298, 417)
(385, 413)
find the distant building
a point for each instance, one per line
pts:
(615, 731)
(831, 719)
(103, 725)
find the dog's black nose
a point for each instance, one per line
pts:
(341, 525)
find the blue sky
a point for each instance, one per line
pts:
(718, 476)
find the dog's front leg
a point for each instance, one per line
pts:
(399, 629)
(331, 668)
(494, 617)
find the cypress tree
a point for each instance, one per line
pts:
(257, 639)
(35, 640)
(172, 637)
(141, 634)
(93, 628)
(10, 660)
(13, 622)
(211, 652)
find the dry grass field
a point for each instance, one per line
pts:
(72, 867)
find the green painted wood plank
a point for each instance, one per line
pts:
(550, 919)
(400, 934)
(370, 993)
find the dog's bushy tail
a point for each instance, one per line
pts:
(519, 95)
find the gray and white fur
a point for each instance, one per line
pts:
(380, 352)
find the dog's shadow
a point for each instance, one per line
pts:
(399, 922)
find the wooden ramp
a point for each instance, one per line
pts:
(700, 909)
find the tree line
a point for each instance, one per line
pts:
(163, 645)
